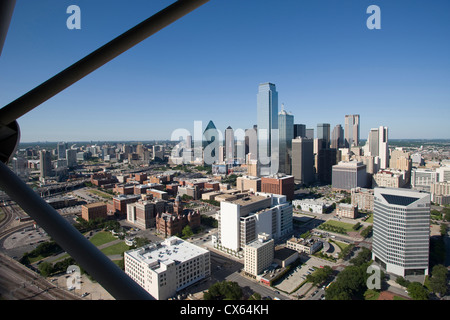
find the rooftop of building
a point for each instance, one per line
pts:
(126, 196)
(247, 199)
(283, 253)
(94, 205)
(171, 250)
(305, 242)
(278, 176)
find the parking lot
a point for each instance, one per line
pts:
(27, 237)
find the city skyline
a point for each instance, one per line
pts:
(323, 59)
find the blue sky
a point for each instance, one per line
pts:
(323, 59)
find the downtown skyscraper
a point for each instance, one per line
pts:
(286, 134)
(267, 121)
(351, 131)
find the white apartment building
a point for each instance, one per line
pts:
(163, 269)
(444, 173)
(439, 189)
(310, 205)
(241, 220)
(389, 179)
(362, 198)
(401, 230)
(258, 254)
(422, 179)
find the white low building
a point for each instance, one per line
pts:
(311, 205)
(165, 268)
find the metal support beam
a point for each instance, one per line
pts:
(96, 59)
(90, 258)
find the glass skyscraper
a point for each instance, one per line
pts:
(267, 121)
(286, 134)
(323, 133)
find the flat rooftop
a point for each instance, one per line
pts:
(246, 200)
(172, 249)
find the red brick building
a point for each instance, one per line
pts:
(279, 184)
(170, 224)
(93, 211)
(120, 202)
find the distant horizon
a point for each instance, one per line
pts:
(168, 140)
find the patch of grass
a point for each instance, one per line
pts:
(102, 238)
(101, 194)
(118, 248)
(371, 295)
(347, 226)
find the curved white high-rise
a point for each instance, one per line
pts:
(401, 230)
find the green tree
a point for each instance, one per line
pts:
(443, 229)
(46, 269)
(224, 290)
(417, 291)
(187, 232)
(140, 242)
(320, 275)
(438, 280)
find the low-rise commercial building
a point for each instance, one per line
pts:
(93, 211)
(308, 246)
(165, 268)
(258, 254)
(311, 205)
(347, 210)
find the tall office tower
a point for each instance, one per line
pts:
(309, 133)
(326, 159)
(71, 157)
(378, 145)
(286, 134)
(267, 117)
(229, 145)
(299, 130)
(189, 142)
(45, 159)
(401, 231)
(61, 150)
(373, 141)
(351, 130)
(323, 133)
(383, 147)
(158, 152)
(349, 175)
(303, 160)
(242, 219)
(251, 143)
(337, 137)
(211, 143)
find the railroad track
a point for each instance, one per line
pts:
(17, 282)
